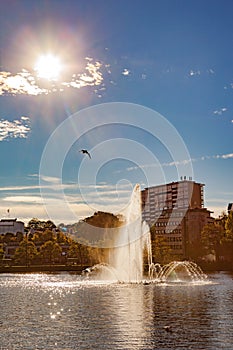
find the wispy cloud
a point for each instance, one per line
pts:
(126, 72)
(25, 82)
(182, 162)
(210, 71)
(18, 128)
(51, 179)
(224, 156)
(53, 183)
(220, 111)
(193, 73)
(24, 199)
(105, 197)
(91, 77)
(197, 72)
(157, 165)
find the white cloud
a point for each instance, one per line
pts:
(19, 188)
(23, 199)
(226, 156)
(51, 179)
(20, 83)
(109, 198)
(18, 128)
(181, 162)
(220, 111)
(167, 164)
(217, 210)
(126, 72)
(25, 82)
(193, 72)
(210, 71)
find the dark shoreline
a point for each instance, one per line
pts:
(42, 268)
(206, 267)
(216, 266)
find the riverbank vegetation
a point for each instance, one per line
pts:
(45, 244)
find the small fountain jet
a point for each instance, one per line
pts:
(84, 151)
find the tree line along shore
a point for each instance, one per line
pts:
(44, 247)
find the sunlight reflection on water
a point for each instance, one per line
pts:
(46, 311)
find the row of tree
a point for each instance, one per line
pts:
(217, 238)
(43, 242)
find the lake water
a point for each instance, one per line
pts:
(45, 311)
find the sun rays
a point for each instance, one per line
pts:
(48, 67)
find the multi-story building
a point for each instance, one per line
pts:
(11, 226)
(176, 212)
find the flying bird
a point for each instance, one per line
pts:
(84, 151)
(168, 328)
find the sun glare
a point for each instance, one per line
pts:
(48, 67)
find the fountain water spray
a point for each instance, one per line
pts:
(131, 243)
(132, 240)
(177, 271)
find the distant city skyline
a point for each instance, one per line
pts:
(59, 59)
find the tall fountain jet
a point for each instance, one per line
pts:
(132, 240)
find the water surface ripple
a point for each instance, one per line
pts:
(45, 311)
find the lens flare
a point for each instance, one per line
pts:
(48, 67)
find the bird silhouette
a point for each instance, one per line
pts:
(84, 151)
(168, 328)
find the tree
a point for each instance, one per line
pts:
(34, 223)
(50, 251)
(19, 236)
(62, 237)
(43, 236)
(1, 251)
(38, 225)
(229, 227)
(212, 237)
(195, 250)
(25, 253)
(228, 239)
(48, 235)
(49, 225)
(94, 233)
(8, 237)
(161, 250)
(88, 228)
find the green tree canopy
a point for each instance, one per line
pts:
(97, 228)
(161, 250)
(61, 237)
(50, 251)
(25, 253)
(229, 227)
(8, 237)
(104, 219)
(37, 224)
(43, 236)
(212, 237)
(1, 251)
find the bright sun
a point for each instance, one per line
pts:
(48, 67)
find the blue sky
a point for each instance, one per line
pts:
(172, 57)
